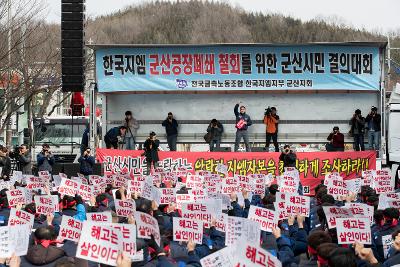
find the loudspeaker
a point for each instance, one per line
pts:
(72, 45)
(222, 149)
(259, 149)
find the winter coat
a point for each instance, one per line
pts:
(240, 116)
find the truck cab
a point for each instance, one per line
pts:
(62, 133)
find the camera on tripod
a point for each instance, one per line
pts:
(268, 111)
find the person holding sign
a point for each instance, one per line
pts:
(243, 121)
(151, 151)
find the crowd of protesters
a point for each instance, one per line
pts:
(297, 241)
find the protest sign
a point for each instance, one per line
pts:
(367, 177)
(199, 194)
(238, 229)
(194, 181)
(186, 229)
(297, 205)
(280, 205)
(120, 181)
(384, 198)
(14, 240)
(202, 210)
(221, 168)
(258, 181)
(387, 242)
(332, 213)
(70, 229)
(125, 208)
(37, 183)
(99, 243)
(18, 217)
(167, 195)
(221, 221)
(85, 191)
(351, 230)
(101, 217)
(230, 185)
(183, 198)
(46, 204)
(128, 238)
(147, 225)
(353, 186)
(361, 210)
(337, 188)
(251, 254)
(16, 196)
(223, 257)
(288, 183)
(136, 185)
(245, 182)
(268, 219)
(68, 187)
(383, 182)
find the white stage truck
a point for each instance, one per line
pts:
(62, 133)
(314, 86)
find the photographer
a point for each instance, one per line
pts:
(336, 141)
(45, 160)
(115, 137)
(86, 162)
(131, 125)
(373, 121)
(151, 151)
(5, 163)
(24, 159)
(288, 157)
(215, 128)
(357, 123)
(171, 128)
(271, 121)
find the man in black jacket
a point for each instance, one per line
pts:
(373, 121)
(357, 123)
(216, 129)
(171, 128)
(243, 121)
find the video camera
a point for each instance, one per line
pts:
(268, 111)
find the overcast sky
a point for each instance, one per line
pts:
(382, 15)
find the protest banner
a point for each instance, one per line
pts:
(16, 196)
(99, 243)
(238, 229)
(268, 219)
(186, 229)
(46, 204)
(125, 208)
(18, 217)
(70, 229)
(223, 257)
(101, 217)
(312, 165)
(251, 254)
(167, 195)
(351, 230)
(147, 225)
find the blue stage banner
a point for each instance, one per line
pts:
(238, 67)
